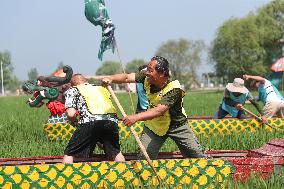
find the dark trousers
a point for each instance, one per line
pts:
(220, 114)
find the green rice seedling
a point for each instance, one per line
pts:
(21, 127)
(21, 133)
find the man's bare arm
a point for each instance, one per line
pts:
(119, 78)
(253, 102)
(149, 114)
(254, 77)
(71, 114)
(152, 112)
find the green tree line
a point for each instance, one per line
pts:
(10, 81)
(183, 55)
(249, 44)
(242, 45)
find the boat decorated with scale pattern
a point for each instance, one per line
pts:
(174, 171)
(57, 127)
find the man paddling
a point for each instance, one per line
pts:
(97, 121)
(165, 116)
(270, 96)
(235, 96)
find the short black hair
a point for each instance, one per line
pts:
(162, 65)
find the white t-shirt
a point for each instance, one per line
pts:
(271, 93)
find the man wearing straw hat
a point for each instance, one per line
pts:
(235, 96)
(165, 117)
(270, 96)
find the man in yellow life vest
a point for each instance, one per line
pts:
(97, 121)
(165, 116)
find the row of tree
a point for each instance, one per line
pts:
(250, 44)
(242, 45)
(183, 55)
(10, 81)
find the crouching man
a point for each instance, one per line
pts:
(97, 121)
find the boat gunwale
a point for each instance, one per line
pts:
(133, 157)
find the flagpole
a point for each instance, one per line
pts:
(2, 81)
(123, 69)
(143, 150)
(282, 70)
(281, 41)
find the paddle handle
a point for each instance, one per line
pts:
(133, 132)
(257, 117)
(252, 114)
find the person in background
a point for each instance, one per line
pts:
(97, 121)
(235, 96)
(165, 116)
(142, 102)
(270, 96)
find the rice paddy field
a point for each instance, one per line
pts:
(22, 135)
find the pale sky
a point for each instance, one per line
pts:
(40, 34)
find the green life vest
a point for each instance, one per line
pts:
(97, 99)
(160, 125)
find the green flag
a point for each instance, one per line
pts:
(96, 12)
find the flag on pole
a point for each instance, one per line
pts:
(278, 66)
(96, 13)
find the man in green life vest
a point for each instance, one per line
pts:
(165, 116)
(97, 121)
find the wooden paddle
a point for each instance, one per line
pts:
(260, 119)
(134, 134)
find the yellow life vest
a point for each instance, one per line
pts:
(97, 99)
(160, 125)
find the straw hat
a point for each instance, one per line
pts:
(237, 86)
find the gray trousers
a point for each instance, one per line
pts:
(182, 135)
(274, 109)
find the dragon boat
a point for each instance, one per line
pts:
(173, 170)
(58, 128)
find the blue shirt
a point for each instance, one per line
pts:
(233, 111)
(142, 98)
